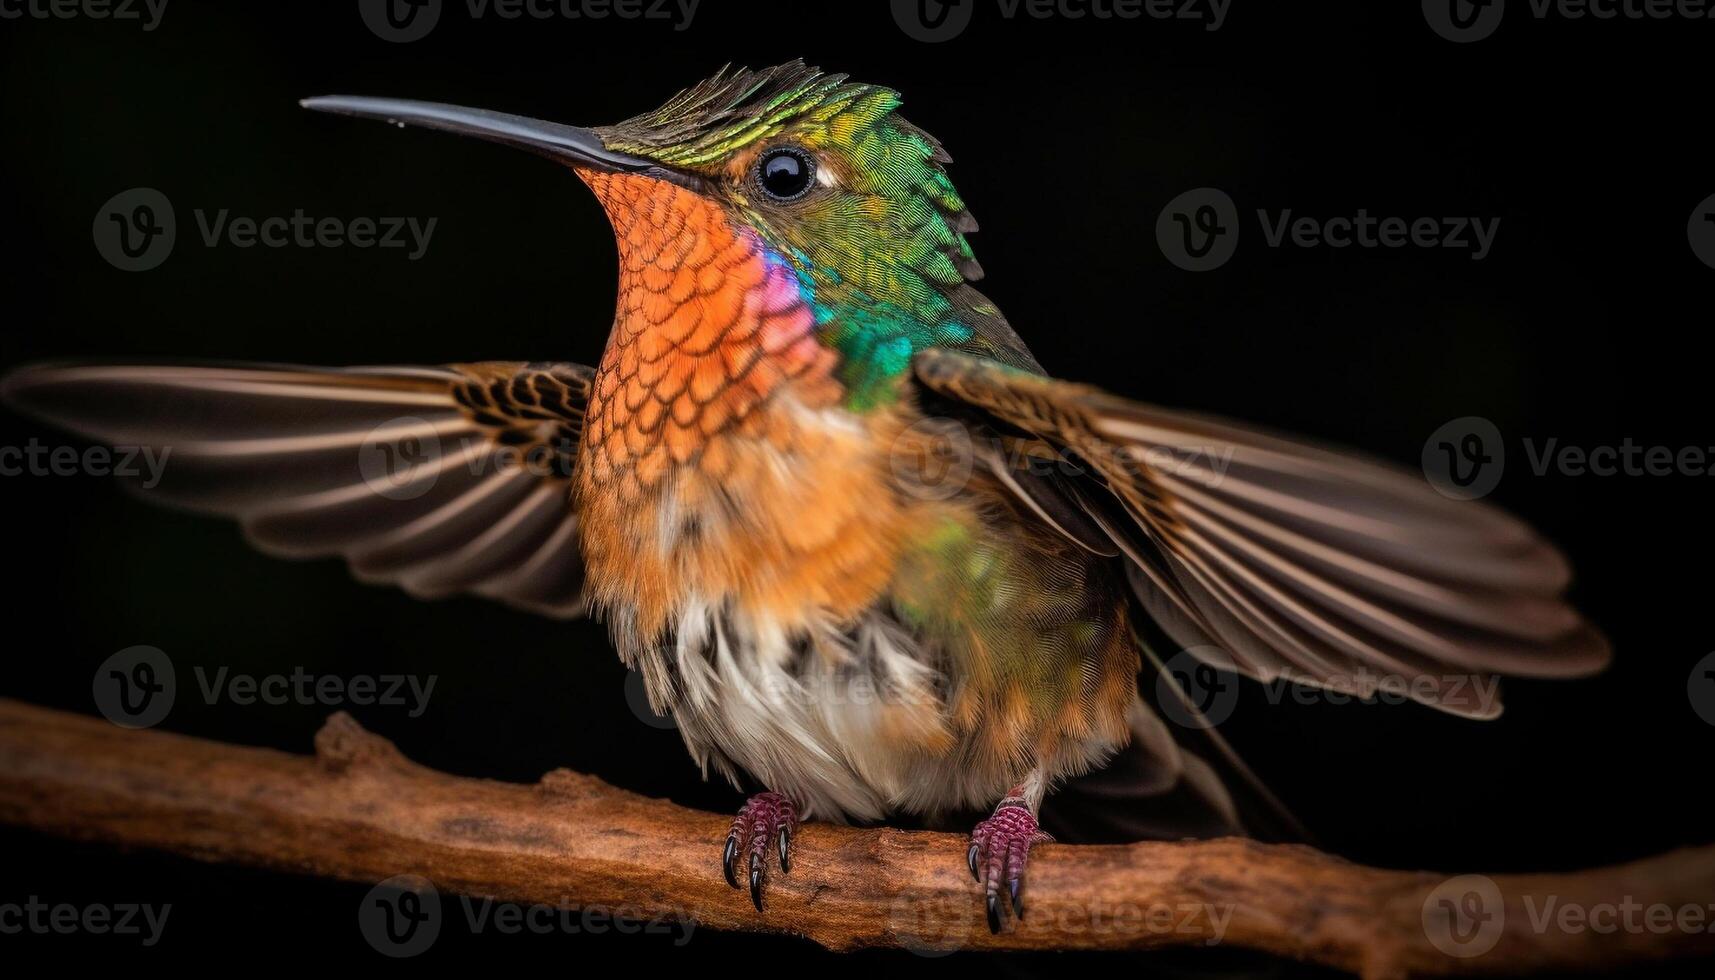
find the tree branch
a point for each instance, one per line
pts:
(358, 810)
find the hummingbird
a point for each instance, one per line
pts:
(872, 559)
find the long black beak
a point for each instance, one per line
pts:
(571, 145)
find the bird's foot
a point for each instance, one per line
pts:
(766, 819)
(1000, 850)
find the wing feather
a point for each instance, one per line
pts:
(1280, 559)
(440, 480)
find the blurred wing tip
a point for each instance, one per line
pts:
(577, 609)
(1591, 652)
(21, 379)
(1489, 712)
(271, 547)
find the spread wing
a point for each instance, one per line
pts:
(440, 480)
(1279, 559)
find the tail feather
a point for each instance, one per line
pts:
(1170, 784)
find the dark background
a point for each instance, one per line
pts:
(1588, 139)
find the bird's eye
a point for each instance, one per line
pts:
(786, 174)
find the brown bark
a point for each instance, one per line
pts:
(358, 810)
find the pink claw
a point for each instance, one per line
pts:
(999, 852)
(765, 818)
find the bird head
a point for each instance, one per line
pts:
(845, 205)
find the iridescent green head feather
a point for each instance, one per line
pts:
(878, 234)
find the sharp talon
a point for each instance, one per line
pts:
(729, 860)
(755, 883)
(998, 855)
(765, 819)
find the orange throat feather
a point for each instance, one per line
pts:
(708, 327)
(716, 459)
